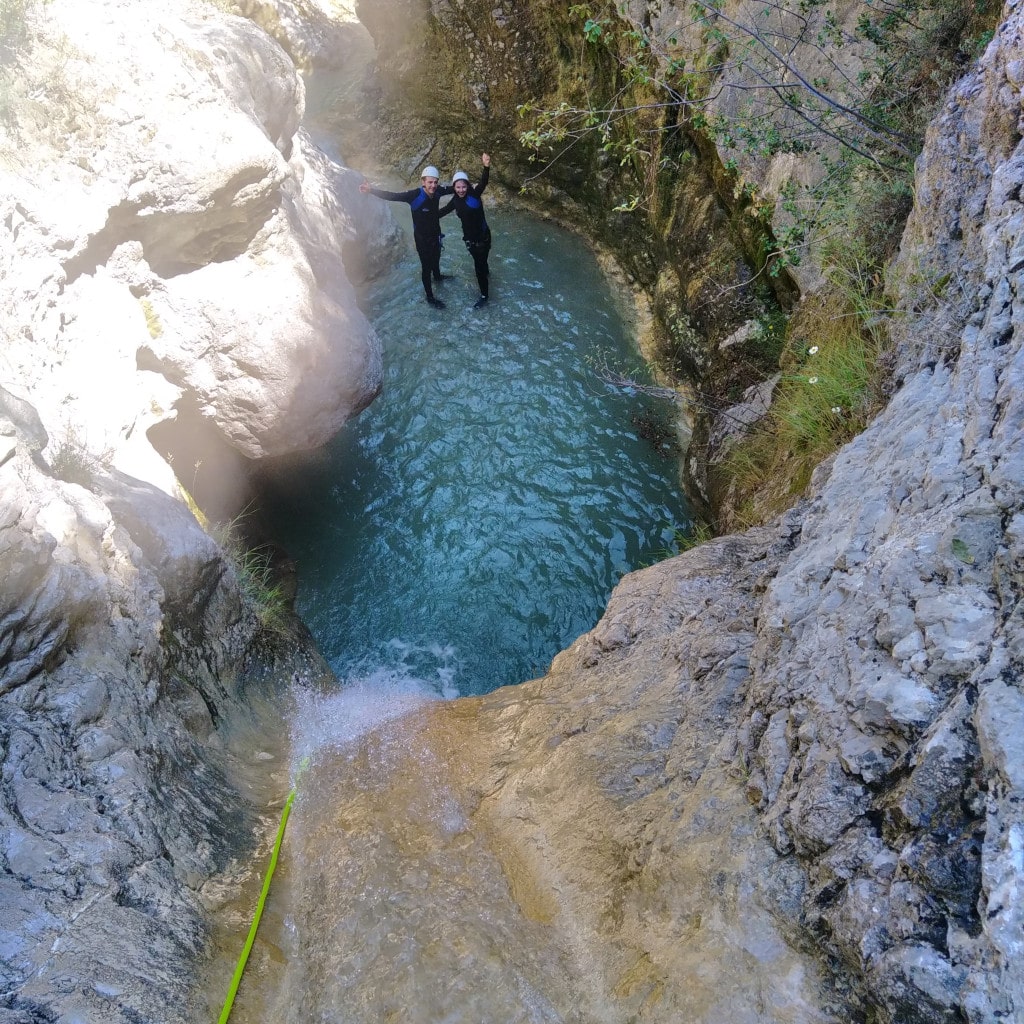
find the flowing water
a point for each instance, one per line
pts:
(472, 522)
(469, 525)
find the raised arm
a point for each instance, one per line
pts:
(391, 197)
(485, 176)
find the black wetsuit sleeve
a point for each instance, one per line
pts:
(445, 210)
(395, 197)
(484, 178)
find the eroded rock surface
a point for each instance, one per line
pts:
(171, 232)
(169, 238)
(122, 643)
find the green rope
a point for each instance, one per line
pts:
(243, 959)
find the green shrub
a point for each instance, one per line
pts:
(72, 465)
(835, 378)
(73, 462)
(38, 105)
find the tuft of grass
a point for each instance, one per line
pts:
(193, 506)
(683, 539)
(768, 337)
(834, 379)
(697, 534)
(257, 579)
(73, 462)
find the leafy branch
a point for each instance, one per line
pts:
(774, 80)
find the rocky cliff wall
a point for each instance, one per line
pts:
(170, 229)
(459, 72)
(172, 280)
(124, 649)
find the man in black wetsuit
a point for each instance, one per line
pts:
(426, 225)
(475, 233)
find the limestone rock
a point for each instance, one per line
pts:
(86, 716)
(151, 161)
(733, 423)
(317, 34)
(593, 819)
(171, 216)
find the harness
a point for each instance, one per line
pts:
(482, 245)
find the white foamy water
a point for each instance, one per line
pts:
(324, 723)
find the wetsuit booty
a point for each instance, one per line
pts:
(482, 301)
(436, 303)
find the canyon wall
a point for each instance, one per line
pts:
(727, 155)
(781, 779)
(174, 307)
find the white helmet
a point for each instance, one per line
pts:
(430, 172)
(460, 176)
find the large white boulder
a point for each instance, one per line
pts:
(168, 230)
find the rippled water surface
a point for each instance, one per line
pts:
(472, 522)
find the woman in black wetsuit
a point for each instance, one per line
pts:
(426, 224)
(475, 233)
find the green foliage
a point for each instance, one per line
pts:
(834, 380)
(756, 81)
(592, 30)
(38, 105)
(14, 24)
(257, 578)
(769, 337)
(974, 46)
(638, 86)
(14, 37)
(694, 536)
(72, 464)
(814, 409)
(684, 538)
(607, 99)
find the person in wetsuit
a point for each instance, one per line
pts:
(475, 233)
(426, 224)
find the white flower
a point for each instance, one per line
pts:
(836, 410)
(812, 350)
(812, 380)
